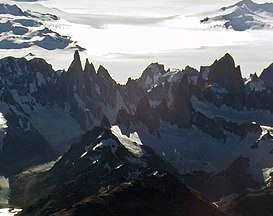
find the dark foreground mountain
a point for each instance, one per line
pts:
(248, 204)
(107, 173)
(157, 194)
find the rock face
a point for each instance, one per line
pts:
(267, 76)
(210, 125)
(54, 108)
(181, 109)
(103, 157)
(255, 84)
(235, 179)
(224, 73)
(248, 204)
(158, 194)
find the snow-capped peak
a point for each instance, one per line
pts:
(243, 15)
(151, 75)
(10, 9)
(23, 29)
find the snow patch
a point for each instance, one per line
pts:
(267, 174)
(262, 117)
(131, 143)
(109, 142)
(256, 86)
(5, 190)
(85, 153)
(3, 122)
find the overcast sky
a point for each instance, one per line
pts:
(152, 5)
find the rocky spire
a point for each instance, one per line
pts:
(143, 109)
(103, 72)
(146, 114)
(267, 76)
(224, 73)
(181, 108)
(76, 65)
(89, 70)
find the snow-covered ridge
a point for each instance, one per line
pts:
(131, 143)
(23, 29)
(242, 16)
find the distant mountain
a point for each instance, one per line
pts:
(22, 29)
(242, 16)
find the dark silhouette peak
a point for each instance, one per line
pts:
(103, 72)
(77, 55)
(89, 68)
(190, 71)
(267, 76)
(86, 64)
(154, 69)
(224, 73)
(254, 77)
(227, 60)
(101, 69)
(189, 68)
(76, 65)
(128, 80)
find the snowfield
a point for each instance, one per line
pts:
(126, 42)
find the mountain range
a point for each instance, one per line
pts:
(241, 16)
(207, 128)
(23, 29)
